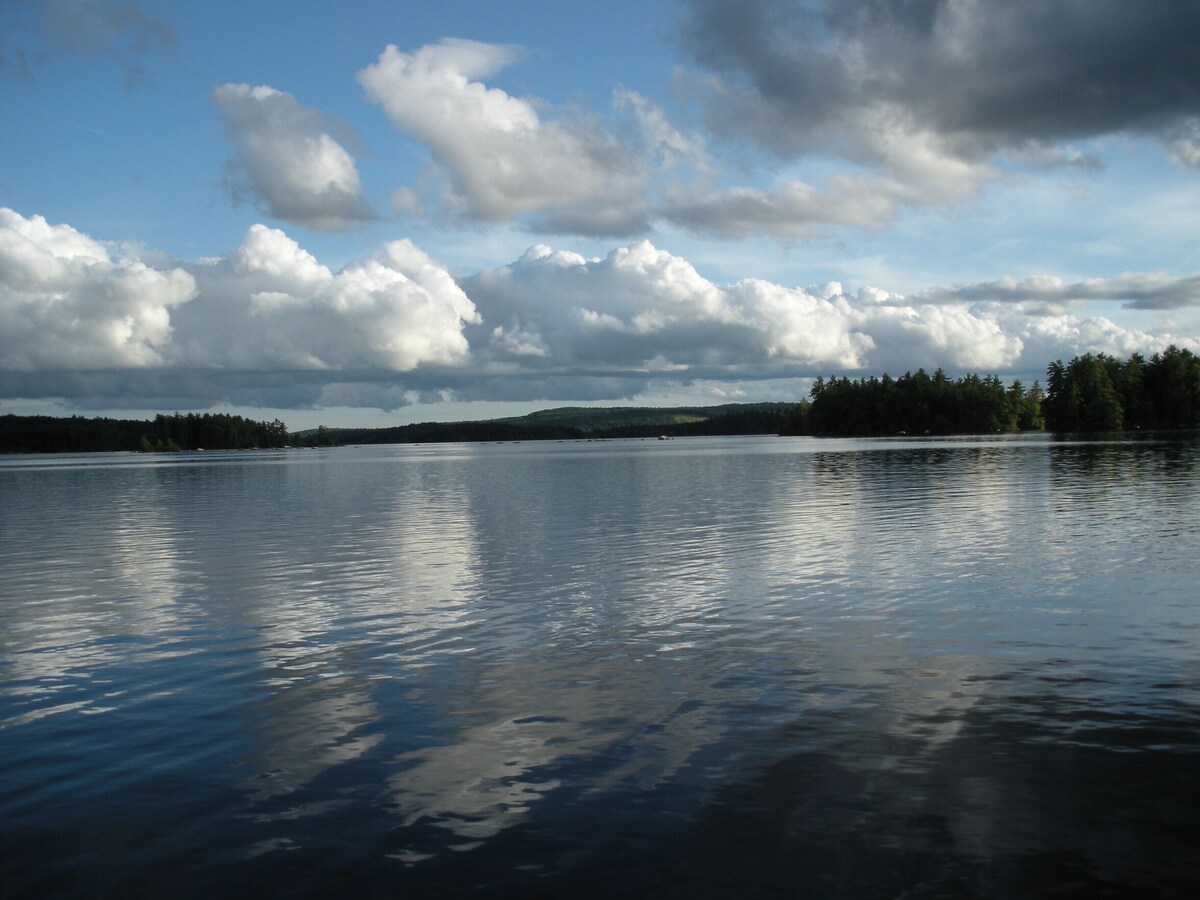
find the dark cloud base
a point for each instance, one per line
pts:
(982, 75)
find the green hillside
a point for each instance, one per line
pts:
(591, 419)
(576, 422)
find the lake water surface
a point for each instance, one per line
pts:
(709, 667)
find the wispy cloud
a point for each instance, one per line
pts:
(119, 31)
(1148, 291)
(86, 128)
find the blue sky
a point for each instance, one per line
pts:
(374, 213)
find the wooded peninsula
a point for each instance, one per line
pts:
(1092, 393)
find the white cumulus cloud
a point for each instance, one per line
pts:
(286, 162)
(501, 159)
(642, 311)
(70, 302)
(271, 305)
(269, 324)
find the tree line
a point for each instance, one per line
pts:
(46, 434)
(76, 434)
(209, 431)
(212, 431)
(1097, 392)
(916, 403)
(1093, 392)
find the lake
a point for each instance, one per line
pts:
(706, 667)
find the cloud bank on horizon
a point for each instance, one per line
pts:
(269, 325)
(833, 124)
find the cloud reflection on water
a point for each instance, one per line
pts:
(483, 645)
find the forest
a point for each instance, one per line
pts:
(1091, 393)
(76, 434)
(211, 431)
(1096, 392)
(916, 404)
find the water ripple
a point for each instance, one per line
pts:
(541, 658)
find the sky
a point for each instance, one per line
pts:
(385, 212)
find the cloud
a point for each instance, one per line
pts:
(271, 306)
(1183, 142)
(660, 139)
(639, 308)
(120, 31)
(70, 302)
(14, 63)
(932, 91)
(286, 163)
(793, 210)
(268, 324)
(643, 312)
(500, 158)
(957, 338)
(1153, 290)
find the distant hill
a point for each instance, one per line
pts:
(590, 419)
(47, 434)
(576, 422)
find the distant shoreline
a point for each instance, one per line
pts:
(76, 434)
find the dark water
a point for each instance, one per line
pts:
(698, 668)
